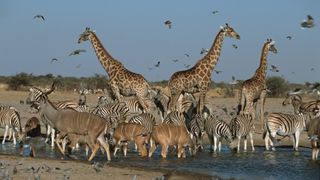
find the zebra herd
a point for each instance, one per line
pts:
(198, 126)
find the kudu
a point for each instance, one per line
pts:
(67, 121)
(314, 137)
(169, 134)
(130, 132)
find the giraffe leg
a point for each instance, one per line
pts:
(263, 101)
(201, 103)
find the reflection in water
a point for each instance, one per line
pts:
(281, 164)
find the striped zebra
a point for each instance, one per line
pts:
(242, 126)
(217, 130)
(310, 107)
(175, 117)
(147, 120)
(196, 127)
(117, 109)
(284, 125)
(10, 118)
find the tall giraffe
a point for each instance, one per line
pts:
(255, 88)
(198, 78)
(122, 81)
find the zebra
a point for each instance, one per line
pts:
(117, 109)
(217, 129)
(10, 118)
(175, 117)
(242, 126)
(284, 125)
(196, 127)
(147, 120)
(311, 107)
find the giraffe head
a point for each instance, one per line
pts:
(271, 46)
(85, 35)
(230, 32)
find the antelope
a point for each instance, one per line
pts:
(313, 136)
(130, 132)
(170, 134)
(67, 121)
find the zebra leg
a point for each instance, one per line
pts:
(219, 145)
(48, 133)
(251, 140)
(13, 136)
(52, 137)
(10, 133)
(5, 134)
(215, 143)
(245, 141)
(272, 137)
(238, 145)
(266, 140)
(296, 139)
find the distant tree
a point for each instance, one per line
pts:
(18, 81)
(278, 86)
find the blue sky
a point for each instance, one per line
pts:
(135, 34)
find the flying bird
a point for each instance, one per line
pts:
(78, 66)
(77, 52)
(168, 23)
(307, 23)
(234, 46)
(312, 69)
(296, 91)
(217, 72)
(186, 54)
(274, 68)
(158, 64)
(204, 51)
(175, 60)
(234, 81)
(187, 65)
(215, 12)
(289, 37)
(53, 59)
(39, 16)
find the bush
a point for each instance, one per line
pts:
(18, 81)
(278, 86)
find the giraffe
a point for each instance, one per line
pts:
(197, 79)
(255, 88)
(122, 81)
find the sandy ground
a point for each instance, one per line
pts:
(84, 170)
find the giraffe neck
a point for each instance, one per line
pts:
(262, 69)
(211, 58)
(107, 61)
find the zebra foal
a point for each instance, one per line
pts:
(10, 118)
